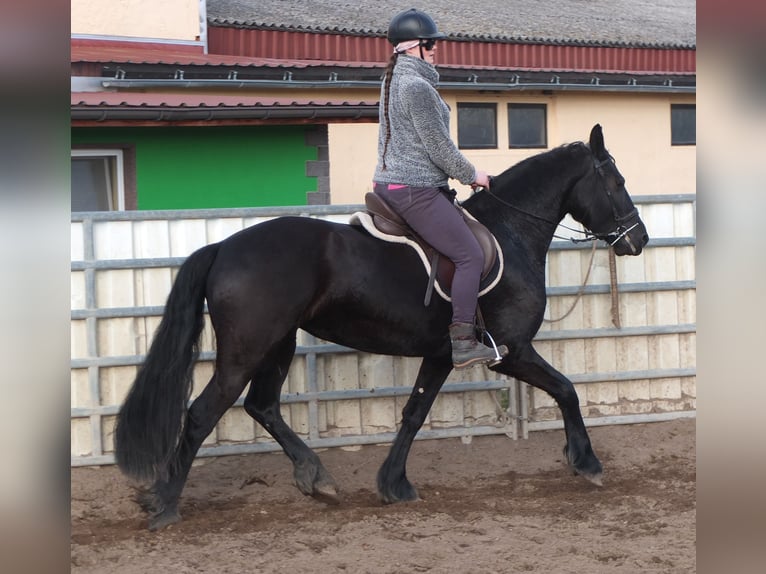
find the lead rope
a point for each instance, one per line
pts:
(580, 291)
(613, 289)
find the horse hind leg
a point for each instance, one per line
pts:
(262, 403)
(161, 500)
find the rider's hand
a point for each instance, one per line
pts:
(482, 180)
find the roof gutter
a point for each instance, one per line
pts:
(515, 85)
(173, 114)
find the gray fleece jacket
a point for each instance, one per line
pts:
(420, 152)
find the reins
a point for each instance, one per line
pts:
(588, 235)
(611, 237)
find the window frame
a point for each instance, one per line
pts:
(478, 105)
(674, 141)
(117, 190)
(528, 105)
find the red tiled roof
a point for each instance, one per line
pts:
(138, 108)
(191, 100)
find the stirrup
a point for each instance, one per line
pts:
(498, 358)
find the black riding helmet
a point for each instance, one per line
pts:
(412, 24)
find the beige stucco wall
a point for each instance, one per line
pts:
(636, 131)
(167, 20)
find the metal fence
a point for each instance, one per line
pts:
(506, 406)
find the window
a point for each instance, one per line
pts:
(527, 125)
(683, 124)
(98, 180)
(477, 126)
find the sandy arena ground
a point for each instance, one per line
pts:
(494, 505)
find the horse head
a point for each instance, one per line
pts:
(601, 202)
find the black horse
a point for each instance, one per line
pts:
(337, 282)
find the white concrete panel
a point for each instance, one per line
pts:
(600, 355)
(220, 229)
(447, 411)
(378, 415)
(299, 418)
(664, 351)
(342, 371)
(666, 388)
(376, 371)
(639, 390)
(662, 308)
(76, 241)
(602, 393)
(685, 263)
(107, 433)
(632, 354)
(78, 339)
(186, 236)
(80, 441)
(151, 239)
(236, 425)
(115, 288)
(573, 357)
(116, 337)
(152, 286)
(631, 269)
(296, 377)
(77, 291)
(113, 239)
(79, 389)
(633, 309)
(660, 264)
(659, 219)
(684, 220)
(114, 384)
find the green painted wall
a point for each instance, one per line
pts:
(208, 167)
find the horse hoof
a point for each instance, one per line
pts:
(408, 493)
(163, 519)
(326, 493)
(596, 478)
(594, 474)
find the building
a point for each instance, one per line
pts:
(239, 103)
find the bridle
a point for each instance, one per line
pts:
(621, 230)
(611, 237)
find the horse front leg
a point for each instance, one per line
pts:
(393, 485)
(531, 368)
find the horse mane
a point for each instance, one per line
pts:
(539, 162)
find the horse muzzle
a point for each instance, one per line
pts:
(629, 239)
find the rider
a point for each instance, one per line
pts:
(416, 157)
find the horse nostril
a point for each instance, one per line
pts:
(645, 238)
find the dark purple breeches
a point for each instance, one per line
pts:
(429, 212)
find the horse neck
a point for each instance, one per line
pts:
(529, 205)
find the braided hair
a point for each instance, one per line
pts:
(385, 103)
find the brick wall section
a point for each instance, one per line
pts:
(319, 168)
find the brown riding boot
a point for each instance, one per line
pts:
(467, 351)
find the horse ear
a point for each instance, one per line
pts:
(597, 140)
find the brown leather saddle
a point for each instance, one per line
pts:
(387, 221)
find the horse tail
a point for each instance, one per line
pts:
(151, 421)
